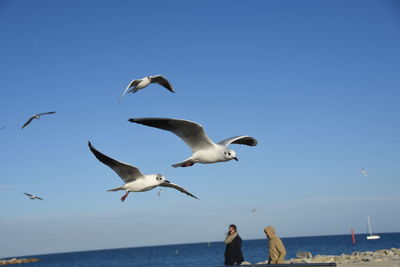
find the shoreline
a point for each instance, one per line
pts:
(378, 258)
(18, 261)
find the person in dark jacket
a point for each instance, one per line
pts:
(233, 251)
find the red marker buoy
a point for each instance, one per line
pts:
(353, 237)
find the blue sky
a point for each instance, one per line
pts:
(316, 82)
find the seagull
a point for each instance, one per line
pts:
(253, 210)
(364, 172)
(33, 197)
(138, 84)
(203, 148)
(37, 116)
(159, 192)
(135, 180)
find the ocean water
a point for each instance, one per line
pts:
(204, 254)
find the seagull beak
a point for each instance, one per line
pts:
(166, 181)
(235, 158)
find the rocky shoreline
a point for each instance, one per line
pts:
(390, 256)
(18, 261)
(356, 257)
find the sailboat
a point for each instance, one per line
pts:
(371, 236)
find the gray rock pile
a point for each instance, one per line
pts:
(356, 257)
(18, 261)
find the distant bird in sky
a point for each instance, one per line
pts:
(37, 116)
(363, 172)
(253, 210)
(135, 180)
(203, 148)
(159, 192)
(138, 84)
(33, 197)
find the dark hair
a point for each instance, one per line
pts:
(234, 227)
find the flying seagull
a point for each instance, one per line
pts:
(37, 116)
(135, 180)
(33, 197)
(159, 192)
(363, 172)
(138, 84)
(203, 148)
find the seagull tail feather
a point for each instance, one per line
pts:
(185, 163)
(115, 189)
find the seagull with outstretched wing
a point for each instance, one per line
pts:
(203, 148)
(33, 197)
(36, 116)
(135, 180)
(139, 84)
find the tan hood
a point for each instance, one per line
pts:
(270, 231)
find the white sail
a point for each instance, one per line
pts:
(371, 236)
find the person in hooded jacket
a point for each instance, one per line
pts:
(277, 251)
(233, 250)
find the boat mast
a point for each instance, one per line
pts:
(369, 226)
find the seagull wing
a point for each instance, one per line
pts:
(241, 140)
(29, 121)
(39, 198)
(177, 187)
(191, 133)
(133, 83)
(46, 113)
(161, 80)
(126, 172)
(29, 195)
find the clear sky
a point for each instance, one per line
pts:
(315, 82)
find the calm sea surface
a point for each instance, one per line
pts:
(204, 254)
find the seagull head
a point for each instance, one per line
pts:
(160, 179)
(230, 154)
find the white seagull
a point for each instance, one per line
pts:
(159, 192)
(135, 180)
(36, 116)
(138, 84)
(33, 197)
(203, 148)
(363, 172)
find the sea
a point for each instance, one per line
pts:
(212, 253)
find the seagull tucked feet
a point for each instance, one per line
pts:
(138, 84)
(36, 116)
(135, 180)
(203, 148)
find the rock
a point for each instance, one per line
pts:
(296, 260)
(304, 254)
(357, 257)
(18, 261)
(323, 259)
(245, 263)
